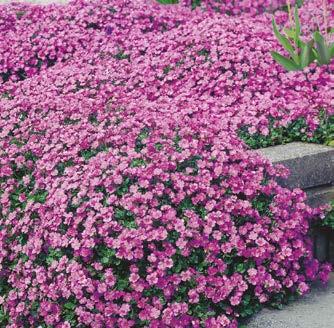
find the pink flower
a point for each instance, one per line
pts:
(303, 288)
(143, 198)
(124, 309)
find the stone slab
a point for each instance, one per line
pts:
(310, 165)
(320, 195)
(321, 244)
(314, 310)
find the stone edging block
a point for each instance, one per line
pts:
(310, 165)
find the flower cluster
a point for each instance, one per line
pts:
(127, 198)
(244, 7)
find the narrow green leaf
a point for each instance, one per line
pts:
(322, 48)
(315, 53)
(290, 32)
(297, 22)
(285, 43)
(168, 2)
(287, 63)
(331, 50)
(305, 59)
(300, 44)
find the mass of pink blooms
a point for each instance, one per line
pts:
(127, 198)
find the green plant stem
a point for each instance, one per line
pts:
(288, 2)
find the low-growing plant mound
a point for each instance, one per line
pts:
(127, 198)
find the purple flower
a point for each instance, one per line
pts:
(109, 30)
(126, 193)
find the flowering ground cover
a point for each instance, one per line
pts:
(127, 196)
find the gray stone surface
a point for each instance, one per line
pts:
(310, 165)
(315, 310)
(320, 195)
(321, 244)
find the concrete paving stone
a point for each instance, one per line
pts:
(320, 195)
(310, 165)
(314, 310)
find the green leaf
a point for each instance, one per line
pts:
(306, 53)
(287, 63)
(299, 3)
(285, 43)
(331, 50)
(122, 284)
(297, 22)
(323, 55)
(138, 162)
(39, 196)
(195, 3)
(290, 32)
(241, 268)
(300, 44)
(69, 306)
(168, 2)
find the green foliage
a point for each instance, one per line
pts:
(168, 2)
(106, 255)
(237, 263)
(158, 146)
(324, 52)
(124, 187)
(195, 3)
(89, 153)
(248, 306)
(61, 166)
(68, 311)
(45, 258)
(144, 133)
(173, 236)
(176, 141)
(138, 162)
(329, 219)
(189, 163)
(4, 317)
(69, 121)
(121, 55)
(196, 259)
(301, 54)
(122, 284)
(125, 218)
(181, 293)
(201, 310)
(92, 119)
(261, 203)
(39, 196)
(187, 204)
(295, 131)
